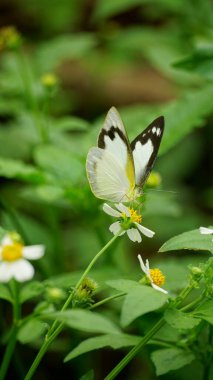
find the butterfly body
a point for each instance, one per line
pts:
(116, 169)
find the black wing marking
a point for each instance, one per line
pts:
(145, 149)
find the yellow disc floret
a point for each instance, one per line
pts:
(12, 252)
(135, 217)
(157, 276)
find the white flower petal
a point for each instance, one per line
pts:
(134, 235)
(33, 252)
(143, 267)
(156, 287)
(123, 209)
(6, 272)
(110, 211)
(22, 270)
(115, 228)
(206, 231)
(6, 240)
(145, 231)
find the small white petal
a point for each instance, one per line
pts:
(145, 230)
(134, 235)
(6, 240)
(123, 209)
(206, 231)
(33, 252)
(115, 228)
(22, 270)
(110, 211)
(143, 267)
(158, 288)
(6, 272)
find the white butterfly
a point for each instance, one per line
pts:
(116, 169)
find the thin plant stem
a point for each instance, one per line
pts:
(54, 329)
(102, 302)
(12, 339)
(131, 354)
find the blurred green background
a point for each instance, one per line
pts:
(147, 58)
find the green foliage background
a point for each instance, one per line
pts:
(147, 58)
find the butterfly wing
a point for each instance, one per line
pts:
(110, 166)
(145, 149)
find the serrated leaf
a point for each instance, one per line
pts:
(85, 320)
(180, 320)
(123, 285)
(31, 330)
(169, 359)
(110, 340)
(205, 311)
(140, 301)
(31, 290)
(5, 293)
(192, 240)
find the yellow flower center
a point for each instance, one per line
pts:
(157, 276)
(12, 252)
(134, 215)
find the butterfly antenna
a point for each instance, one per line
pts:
(162, 191)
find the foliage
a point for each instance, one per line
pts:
(62, 65)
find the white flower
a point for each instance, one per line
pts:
(129, 221)
(155, 276)
(13, 255)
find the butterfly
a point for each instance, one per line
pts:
(116, 169)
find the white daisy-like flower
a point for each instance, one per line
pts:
(14, 258)
(129, 220)
(155, 276)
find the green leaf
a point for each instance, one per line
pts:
(123, 285)
(88, 376)
(50, 54)
(10, 168)
(205, 311)
(84, 320)
(61, 164)
(180, 320)
(110, 340)
(192, 240)
(31, 330)
(170, 359)
(71, 124)
(139, 301)
(201, 63)
(5, 293)
(31, 290)
(109, 8)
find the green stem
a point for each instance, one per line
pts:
(102, 302)
(131, 354)
(54, 329)
(26, 76)
(12, 340)
(8, 353)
